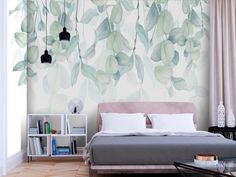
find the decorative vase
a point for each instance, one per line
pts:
(221, 115)
(75, 106)
(230, 119)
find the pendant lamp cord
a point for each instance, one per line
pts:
(46, 23)
(64, 13)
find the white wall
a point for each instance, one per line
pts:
(3, 98)
(16, 106)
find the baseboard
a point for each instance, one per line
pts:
(15, 160)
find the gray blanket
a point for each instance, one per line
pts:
(154, 148)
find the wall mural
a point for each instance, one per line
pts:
(120, 50)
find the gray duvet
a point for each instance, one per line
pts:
(155, 150)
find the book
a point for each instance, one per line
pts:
(47, 128)
(68, 126)
(63, 150)
(54, 146)
(44, 125)
(33, 130)
(31, 146)
(78, 130)
(73, 147)
(39, 127)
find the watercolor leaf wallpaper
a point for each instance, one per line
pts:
(150, 46)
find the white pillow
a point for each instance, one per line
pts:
(173, 122)
(121, 122)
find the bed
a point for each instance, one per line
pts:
(144, 153)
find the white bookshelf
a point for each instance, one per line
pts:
(67, 135)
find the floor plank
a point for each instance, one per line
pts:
(59, 168)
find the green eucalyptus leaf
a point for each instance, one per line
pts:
(165, 23)
(30, 72)
(195, 3)
(152, 17)
(163, 73)
(162, 1)
(187, 28)
(116, 76)
(194, 18)
(167, 51)
(186, 6)
(139, 67)
(55, 8)
(176, 35)
(89, 15)
(143, 36)
(206, 32)
(116, 14)
(179, 83)
(89, 72)
(32, 54)
(55, 29)
(102, 8)
(21, 39)
(75, 73)
(41, 25)
(32, 37)
(206, 18)
(103, 30)
(186, 54)
(127, 4)
(90, 52)
(156, 53)
(175, 60)
(22, 78)
(122, 59)
(27, 24)
(111, 65)
(73, 44)
(99, 2)
(126, 68)
(17, 8)
(50, 40)
(31, 7)
(20, 66)
(103, 77)
(117, 42)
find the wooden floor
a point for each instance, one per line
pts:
(68, 168)
(51, 169)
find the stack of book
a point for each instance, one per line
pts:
(78, 130)
(41, 127)
(33, 130)
(35, 146)
(73, 147)
(63, 150)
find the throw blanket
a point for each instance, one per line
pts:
(146, 132)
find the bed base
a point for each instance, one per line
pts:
(128, 169)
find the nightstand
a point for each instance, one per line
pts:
(227, 132)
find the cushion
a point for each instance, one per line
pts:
(121, 122)
(173, 122)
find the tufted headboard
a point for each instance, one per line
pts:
(144, 107)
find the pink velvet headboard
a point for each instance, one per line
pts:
(144, 107)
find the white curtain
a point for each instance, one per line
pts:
(222, 56)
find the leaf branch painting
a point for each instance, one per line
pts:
(121, 36)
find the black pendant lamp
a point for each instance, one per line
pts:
(64, 35)
(46, 58)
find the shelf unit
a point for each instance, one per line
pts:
(69, 128)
